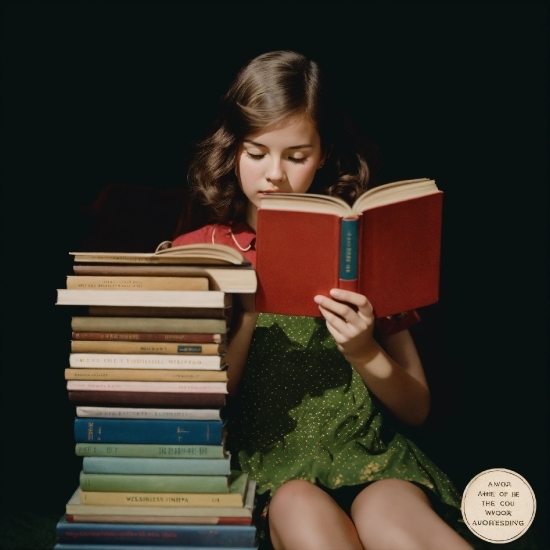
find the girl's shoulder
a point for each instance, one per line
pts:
(201, 235)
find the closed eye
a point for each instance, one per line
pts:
(254, 157)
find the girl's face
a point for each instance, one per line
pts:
(279, 159)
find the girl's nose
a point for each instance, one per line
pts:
(275, 172)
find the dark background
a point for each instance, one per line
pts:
(109, 92)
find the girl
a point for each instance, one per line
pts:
(309, 396)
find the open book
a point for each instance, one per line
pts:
(226, 269)
(187, 254)
(386, 246)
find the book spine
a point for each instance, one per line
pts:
(136, 283)
(203, 338)
(155, 387)
(152, 399)
(187, 452)
(195, 520)
(157, 466)
(149, 298)
(141, 412)
(111, 430)
(147, 324)
(154, 483)
(144, 361)
(348, 253)
(211, 313)
(171, 348)
(118, 498)
(152, 375)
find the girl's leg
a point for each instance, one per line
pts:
(393, 514)
(303, 517)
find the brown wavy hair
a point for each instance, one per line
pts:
(268, 89)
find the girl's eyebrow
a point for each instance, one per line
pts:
(257, 144)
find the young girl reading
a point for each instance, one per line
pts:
(309, 396)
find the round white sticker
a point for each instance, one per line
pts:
(498, 505)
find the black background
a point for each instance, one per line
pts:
(102, 92)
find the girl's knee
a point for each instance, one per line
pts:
(291, 493)
(385, 494)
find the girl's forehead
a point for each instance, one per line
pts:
(292, 128)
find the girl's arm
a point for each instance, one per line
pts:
(392, 370)
(239, 343)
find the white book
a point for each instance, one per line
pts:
(156, 387)
(148, 298)
(145, 361)
(159, 414)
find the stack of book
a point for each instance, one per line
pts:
(147, 376)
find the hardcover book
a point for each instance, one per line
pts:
(157, 466)
(75, 506)
(147, 298)
(138, 282)
(148, 412)
(227, 279)
(146, 399)
(188, 254)
(144, 387)
(150, 450)
(175, 432)
(148, 324)
(386, 246)
(182, 535)
(234, 498)
(154, 483)
(145, 361)
(151, 375)
(169, 348)
(188, 338)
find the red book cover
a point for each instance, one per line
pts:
(396, 251)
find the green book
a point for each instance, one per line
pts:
(235, 496)
(150, 450)
(157, 466)
(146, 483)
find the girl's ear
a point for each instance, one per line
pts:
(324, 157)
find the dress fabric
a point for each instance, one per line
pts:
(303, 412)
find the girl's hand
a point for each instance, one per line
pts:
(350, 320)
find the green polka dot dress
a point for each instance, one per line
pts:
(303, 412)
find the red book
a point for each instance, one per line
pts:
(386, 246)
(147, 399)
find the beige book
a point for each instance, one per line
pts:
(151, 375)
(141, 282)
(169, 348)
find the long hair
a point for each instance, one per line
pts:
(267, 90)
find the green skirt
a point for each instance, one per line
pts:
(303, 412)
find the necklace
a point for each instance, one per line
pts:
(245, 249)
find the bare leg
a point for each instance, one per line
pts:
(393, 514)
(304, 517)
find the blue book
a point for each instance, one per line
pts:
(139, 536)
(178, 432)
(163, 466)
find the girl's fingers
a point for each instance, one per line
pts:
(347, 305)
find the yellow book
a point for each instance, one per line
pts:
(235, 497)
(149, 375)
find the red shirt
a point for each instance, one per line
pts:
(241, 237)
